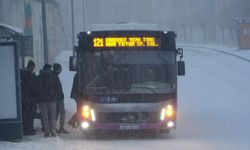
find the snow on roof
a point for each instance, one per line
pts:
(124, 26)
(12, 28)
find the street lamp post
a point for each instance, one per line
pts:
(84, 15)
(45, 35)
(73, 24)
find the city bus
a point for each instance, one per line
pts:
(127, 79)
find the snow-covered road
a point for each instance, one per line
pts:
(214, 114)
(214, 101)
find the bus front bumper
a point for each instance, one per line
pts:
(165, 125)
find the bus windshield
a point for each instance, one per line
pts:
(129, 71)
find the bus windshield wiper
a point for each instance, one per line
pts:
(104, 73)
(91, 82)
(146, 87)
(162, 59)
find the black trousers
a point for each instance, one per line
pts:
(76, 117)
(27, 118)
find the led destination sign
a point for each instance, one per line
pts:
(123, 42)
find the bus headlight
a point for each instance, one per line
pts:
(84, 125)
(167, 112)
(163, 112)
(92, 112)
(170, 124)
(88, 113)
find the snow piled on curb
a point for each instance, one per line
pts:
(232, 50)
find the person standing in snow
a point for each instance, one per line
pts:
(60, 108)
(75, 94)
(27, 77)
(47, 99)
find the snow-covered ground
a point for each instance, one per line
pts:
(228, 50)
(213, 108)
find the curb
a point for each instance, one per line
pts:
(217, 50)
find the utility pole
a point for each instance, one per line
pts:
(84, 15)
(73, 24)
(45, 35)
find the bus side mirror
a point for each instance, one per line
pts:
(181, 68)
(73, 63)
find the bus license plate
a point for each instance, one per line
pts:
(129, 127)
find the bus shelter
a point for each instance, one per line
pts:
(244, 33)
(14, 47)
(24, 42)
(10, 102)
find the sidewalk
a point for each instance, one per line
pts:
(244, 54)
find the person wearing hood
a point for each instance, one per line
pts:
(47, 100)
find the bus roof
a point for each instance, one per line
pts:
(124, 26)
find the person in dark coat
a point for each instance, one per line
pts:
(60, 108)
(75, 94)
(38, 97)
(28, 97)
(47, 100)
